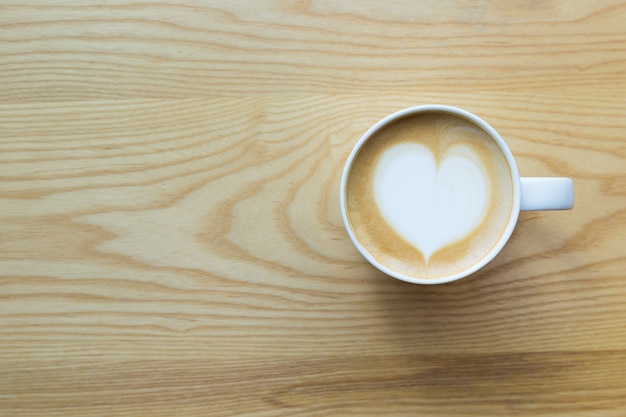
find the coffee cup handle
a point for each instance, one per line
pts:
(552, 193)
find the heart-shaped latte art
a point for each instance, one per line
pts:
(432, 206)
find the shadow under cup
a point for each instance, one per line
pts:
(430, 194)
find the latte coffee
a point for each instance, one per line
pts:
(429, 195)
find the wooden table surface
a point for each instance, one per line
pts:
(170, 234)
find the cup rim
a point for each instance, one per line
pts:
(515, 178)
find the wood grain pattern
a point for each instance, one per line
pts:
(170, 235)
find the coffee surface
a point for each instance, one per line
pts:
(429, 195)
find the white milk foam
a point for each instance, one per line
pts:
(432, 206)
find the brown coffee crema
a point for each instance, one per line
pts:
(438, 131)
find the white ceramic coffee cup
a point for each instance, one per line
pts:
(529, 193)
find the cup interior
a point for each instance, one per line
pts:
(515, 186)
